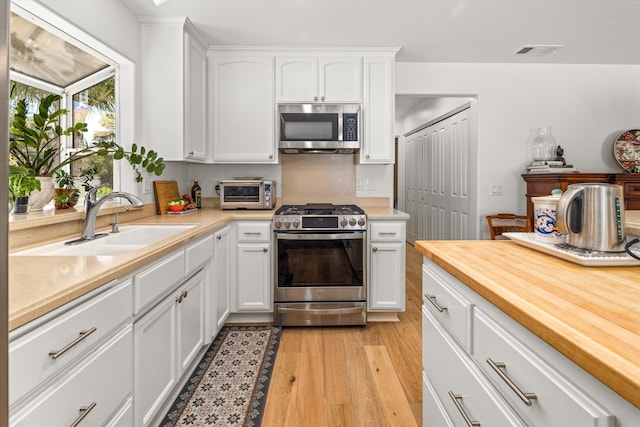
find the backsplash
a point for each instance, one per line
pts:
(317, 178)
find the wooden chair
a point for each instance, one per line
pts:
(505, 222)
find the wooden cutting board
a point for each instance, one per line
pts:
(165, 192)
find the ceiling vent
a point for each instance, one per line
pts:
(537, 50)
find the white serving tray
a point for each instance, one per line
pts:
(594, 260)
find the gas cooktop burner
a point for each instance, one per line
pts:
(319, 216)
(319, 209)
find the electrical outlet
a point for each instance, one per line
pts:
(359, 184)
(495, 189)
(148, 186)
(369, 185)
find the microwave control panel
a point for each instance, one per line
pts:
(350, 127)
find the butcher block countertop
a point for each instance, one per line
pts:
(589, 314)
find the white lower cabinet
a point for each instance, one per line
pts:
(465, 394)
(92, 392)
(222, 259)
(166, 341)
(480, 362)
(386, 265)
(253, 267)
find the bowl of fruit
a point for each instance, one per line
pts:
(177, 205)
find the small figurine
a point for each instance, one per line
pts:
(559, 154)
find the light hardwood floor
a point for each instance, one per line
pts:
(352, 376)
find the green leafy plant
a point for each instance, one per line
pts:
(22, 184)
(35, 143)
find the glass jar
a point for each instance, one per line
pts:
(543, 144)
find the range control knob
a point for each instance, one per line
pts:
(343, 222)
(352, 221)
(287, 223)
(296, 223)
(277, 223)
(361, 222)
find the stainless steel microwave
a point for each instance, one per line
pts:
(319, 128)
(246, 194)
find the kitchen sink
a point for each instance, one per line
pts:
(130, 238)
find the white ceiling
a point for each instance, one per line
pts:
(591, 31)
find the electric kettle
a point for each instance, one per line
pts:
(591, 215)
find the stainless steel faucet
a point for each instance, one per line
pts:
(92, 205)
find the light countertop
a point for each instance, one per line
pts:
(589, 314)
(38, 285)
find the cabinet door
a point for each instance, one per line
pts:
(340, 79)
(222, 277)
(379, 110)
(296, 79)
(243, 109)
(190, 316)
(155, 372)
(387, 282)
(253, 286)
(195, 138)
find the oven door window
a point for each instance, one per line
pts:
(242, 193)
(308, 127)
(324, 260)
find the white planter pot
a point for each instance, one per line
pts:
(39, 199)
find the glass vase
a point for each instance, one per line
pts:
(543, 144)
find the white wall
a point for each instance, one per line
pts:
(586, 106)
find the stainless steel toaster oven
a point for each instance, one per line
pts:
(247, 194)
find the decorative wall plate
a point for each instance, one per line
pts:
(626, 150)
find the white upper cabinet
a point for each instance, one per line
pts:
(173, 89)
(377, 144)
(243, 107)
(319, 79)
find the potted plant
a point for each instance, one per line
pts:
(35, 143)
(66, 195)
(21, 185)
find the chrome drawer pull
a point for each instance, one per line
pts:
(498, 368)
(83, 335)
(249, 233)
(457, 401)
(432, 300)
(386, 233)
(84, 411)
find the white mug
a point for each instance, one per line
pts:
(544, 219)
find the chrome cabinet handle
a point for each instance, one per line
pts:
(271, 156)
(219, 236)
(191, 153)
(179, 299)
(84, 411)
(249, 233)
(184, 294)
(322, 98)
(375, 249)
(387, 233)
(432, 300)
(457, 400)
(498, 368)
(83, 335)
(264, 249)
(315, 98)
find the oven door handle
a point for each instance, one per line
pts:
(330, 236)
(322, 311)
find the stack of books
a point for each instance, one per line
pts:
(549, 166)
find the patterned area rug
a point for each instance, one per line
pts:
(230, 384)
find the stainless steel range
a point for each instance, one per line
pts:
(320, 265)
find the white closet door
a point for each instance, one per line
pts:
(437, 177)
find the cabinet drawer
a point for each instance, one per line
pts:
(29, 358)
(157, 279)
(254, 231)
(433, 413)
(449, 306)
(458, 383)
(104, 378)
(632, 190)
(557, 401)
(387, 231)
(198, 253)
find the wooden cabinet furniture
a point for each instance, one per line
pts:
(174, 89)
(242, 107)
(480, 363)
(254, 261)
(319, 79)
(541, 184)
(386, 249)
